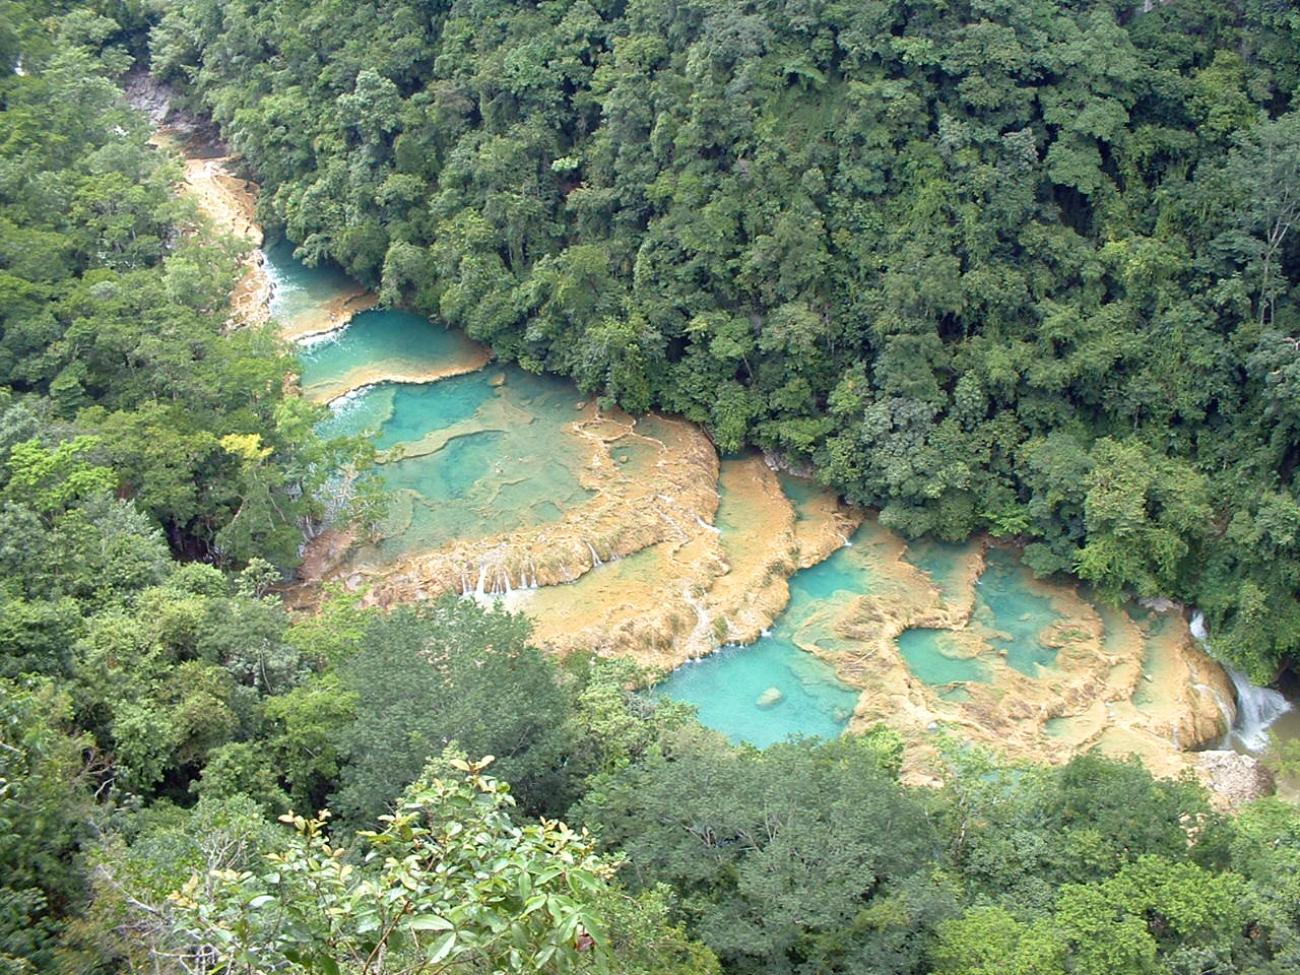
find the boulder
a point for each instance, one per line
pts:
(770, 698)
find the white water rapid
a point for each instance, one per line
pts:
(1257, 707)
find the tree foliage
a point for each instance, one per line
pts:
(1024, 267)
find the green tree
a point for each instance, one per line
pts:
(45, 801)
(451, 672)
(449, 883)
(777, 854)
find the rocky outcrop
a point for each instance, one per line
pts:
(719, 583)
(1233, 778)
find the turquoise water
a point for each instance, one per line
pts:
(817, 593)
(802, 491)
(467, 458)
(845, 571)
(1010, 612)
(931, 658)
(391, 342)
(464, 457)
(942, 562)
(421, 409)
(1015, 613)
(727, 688)
(393, 414)
(361, 414)
(300, 289)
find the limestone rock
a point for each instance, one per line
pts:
(770, 698)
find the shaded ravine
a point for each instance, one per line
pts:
(629, 536)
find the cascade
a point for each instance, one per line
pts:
(452, 451)
(706, 526)
(1257, 707)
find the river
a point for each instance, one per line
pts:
(753, 594)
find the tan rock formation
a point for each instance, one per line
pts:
(714, 584)
(1113, 687)
(626, 513)
(331, 315)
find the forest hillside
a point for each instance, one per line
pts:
(1023, 266)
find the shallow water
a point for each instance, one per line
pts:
(300, 291)
(933, 658)
(381, 344)
(802, 492)
(733, 692)
(1014, 613)
(726, 687)
(360, 414)
(471, 459)
(942, 562)
(464, 456)
(419, 410)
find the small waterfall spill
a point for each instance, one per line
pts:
(1257, 707)
(315, 340)
(494, 580)
(1197, 626)
(706, 526)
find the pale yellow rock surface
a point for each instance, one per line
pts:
(329, 316)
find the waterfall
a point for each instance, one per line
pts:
(1198, 627)
(1257, 707)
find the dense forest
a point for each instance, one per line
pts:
(1021, 266)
